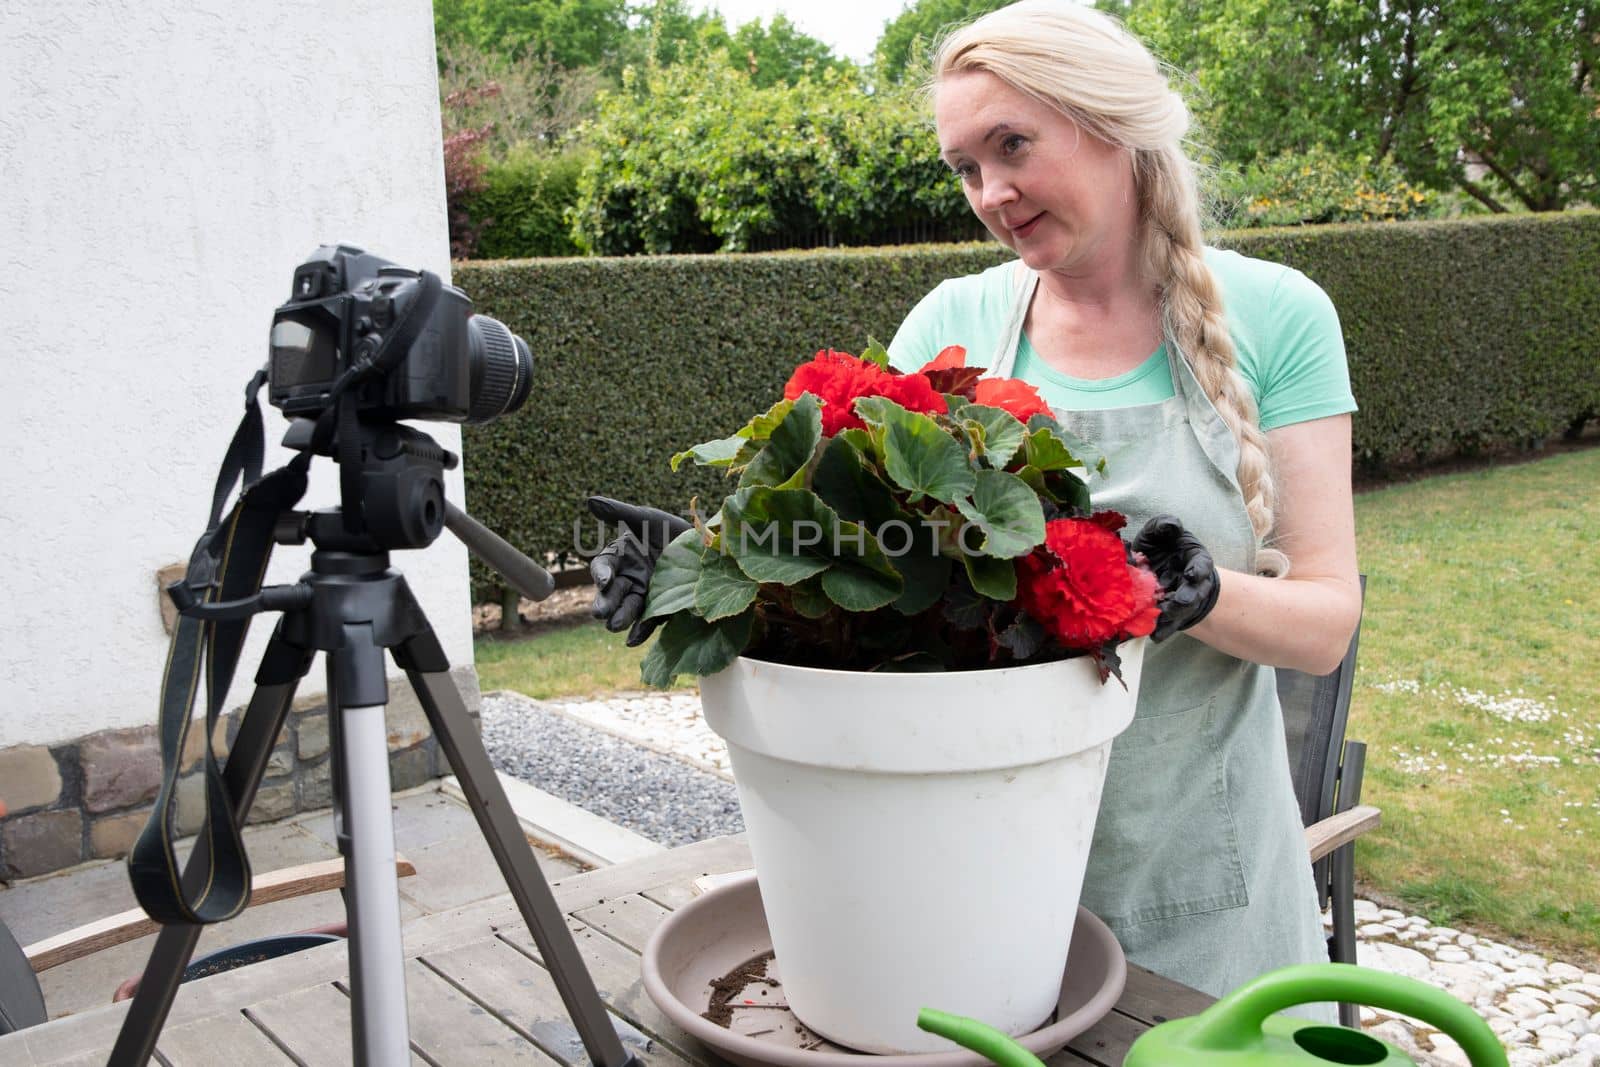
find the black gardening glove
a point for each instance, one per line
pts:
(1187, 574)
(622, 570)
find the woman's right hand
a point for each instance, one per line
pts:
(622, 570)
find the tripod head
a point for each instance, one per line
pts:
(400, 482)
(396, 488)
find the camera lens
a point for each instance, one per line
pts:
(501, 368)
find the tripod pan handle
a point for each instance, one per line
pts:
(526, 576)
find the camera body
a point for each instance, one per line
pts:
(346, 304)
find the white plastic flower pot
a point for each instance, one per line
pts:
(920, 839)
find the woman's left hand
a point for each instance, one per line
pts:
(1185, 569)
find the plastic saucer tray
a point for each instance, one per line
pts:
(715, 934)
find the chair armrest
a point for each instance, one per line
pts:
(282, 884)
(1340, 829)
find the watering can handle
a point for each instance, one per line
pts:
(1242, 1012)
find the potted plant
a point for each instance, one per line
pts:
(904, 619)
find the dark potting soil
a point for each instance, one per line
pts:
(733, 985)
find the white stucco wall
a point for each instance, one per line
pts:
(163, 168)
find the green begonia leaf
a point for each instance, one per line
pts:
(688, 644)
(1047, 450)
(876, 353)
(1007, 510)
(919, 455)
(926, 573)
(994, 578)
(864, 586)
(760, 428)
(788, 535)
(1002, 433)
(721, 453)
(809, 599)
(676, 573)
(845, 483)
(723, 589)
(790, 447)
(1074, 444)
(776, 535)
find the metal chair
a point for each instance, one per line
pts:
(1327, 779)
(22, 1001)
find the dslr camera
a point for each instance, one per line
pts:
(400, 342)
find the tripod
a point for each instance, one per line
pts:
(354, 607)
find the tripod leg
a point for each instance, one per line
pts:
(425, 664)
(358, 694)
(282, 667)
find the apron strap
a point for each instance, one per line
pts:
(1005, 353)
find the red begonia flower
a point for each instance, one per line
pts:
(1080, 587)
(1011, 394)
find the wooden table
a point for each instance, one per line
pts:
(477, 995)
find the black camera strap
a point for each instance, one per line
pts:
(229, 562)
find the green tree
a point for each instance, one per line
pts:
(572, 33)
(697, 157)
(1496, 98)
(668, 31)
(778, 52)
(908, 36)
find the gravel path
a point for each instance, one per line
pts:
(648, 761)
(654, 795)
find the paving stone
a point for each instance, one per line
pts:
(32, 778)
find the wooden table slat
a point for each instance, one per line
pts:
(1152, 999)
(522, 994)
(313, 1024)
(197, 1044)
(630, 920)
(449, 1027)
(616, 973)
(1107, 1041)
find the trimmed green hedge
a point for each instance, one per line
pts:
(1463, 336)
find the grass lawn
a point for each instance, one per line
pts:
(1477, 693)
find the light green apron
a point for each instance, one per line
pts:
(1199, 861)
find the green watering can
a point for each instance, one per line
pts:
(1241, 1029)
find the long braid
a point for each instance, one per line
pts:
(1192, 313)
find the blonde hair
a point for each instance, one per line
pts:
(1087, 66)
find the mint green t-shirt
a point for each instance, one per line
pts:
(1285, 331)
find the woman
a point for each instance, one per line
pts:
(1216, 387)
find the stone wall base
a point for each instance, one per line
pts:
(90, 798)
